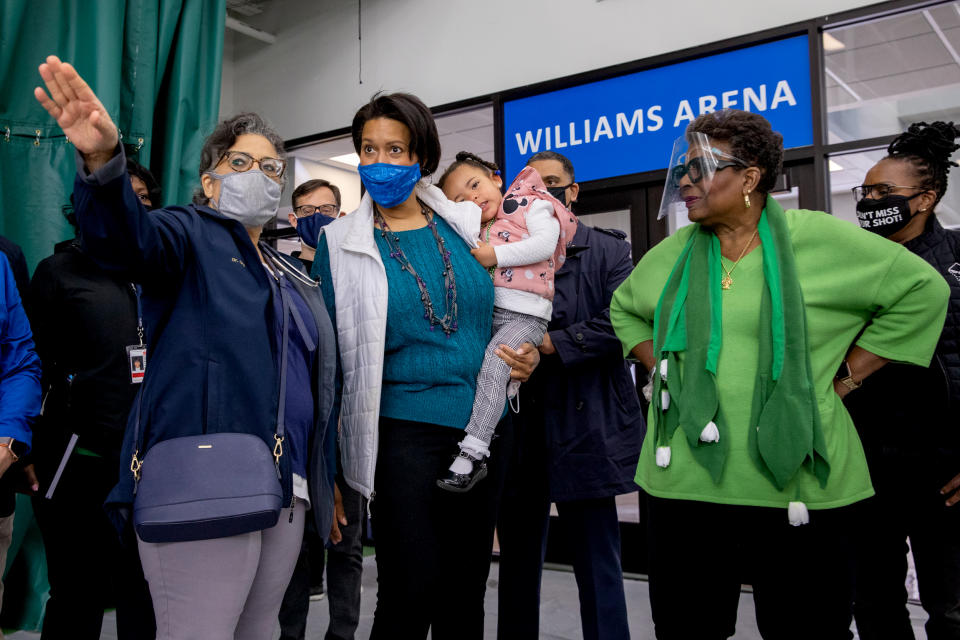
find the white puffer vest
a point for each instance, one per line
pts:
(360, 291)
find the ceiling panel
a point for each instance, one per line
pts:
(890, 58)
(947, 16)
(902, 83)
(837, 96)
(881, 31)
(953, 37)
(465, 120)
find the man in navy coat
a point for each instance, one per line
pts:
(578, 435)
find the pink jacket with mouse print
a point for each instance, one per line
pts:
(510, 226)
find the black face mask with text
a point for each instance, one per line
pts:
(560, 193)
(885, 216)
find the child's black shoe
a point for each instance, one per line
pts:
(463, 482)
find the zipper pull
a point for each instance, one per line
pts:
(135, 466)
(293, 503)
(277, 452)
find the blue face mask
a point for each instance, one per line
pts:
(309, 228)
(389, 184)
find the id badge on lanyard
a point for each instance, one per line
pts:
(137, 353)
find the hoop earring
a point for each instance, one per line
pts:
(746, 200)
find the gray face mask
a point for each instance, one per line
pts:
(250, 197)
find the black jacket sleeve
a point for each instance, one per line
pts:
(594, 338)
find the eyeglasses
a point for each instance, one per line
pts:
(304, 210)
(878, 191)
(698, 167)
(240, 161)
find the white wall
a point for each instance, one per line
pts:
(228, 76)
(347, 181)
(449, 50)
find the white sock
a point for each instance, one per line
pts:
(461, 465)
(475, 446)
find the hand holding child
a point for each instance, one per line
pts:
(485, 255)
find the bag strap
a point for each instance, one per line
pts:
(277, 289)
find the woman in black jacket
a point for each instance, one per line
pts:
(909, 417)
(83, 320)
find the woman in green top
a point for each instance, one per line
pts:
(744, 320)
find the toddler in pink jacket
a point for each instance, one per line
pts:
(523, 239)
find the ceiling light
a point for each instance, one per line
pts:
(835, 166)
(350, 159)
(830, 42)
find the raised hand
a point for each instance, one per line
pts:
(78, 111)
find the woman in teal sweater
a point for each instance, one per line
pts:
(745, 319)
(413, 311)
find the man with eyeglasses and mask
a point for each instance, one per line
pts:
(578, 449)
(311, 198)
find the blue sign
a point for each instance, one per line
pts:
(628, 124)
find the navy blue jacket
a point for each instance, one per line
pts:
(585, 394)
(208, 314)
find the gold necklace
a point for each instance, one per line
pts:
(726, 281)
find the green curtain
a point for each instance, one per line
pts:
(155, 64)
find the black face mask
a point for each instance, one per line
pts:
(560, 193)
(885, 216)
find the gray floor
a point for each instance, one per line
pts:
(560, 618)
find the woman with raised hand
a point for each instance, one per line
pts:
(239, 342)
(908, 416)
(744, 319)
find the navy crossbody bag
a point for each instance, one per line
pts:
(212, 485)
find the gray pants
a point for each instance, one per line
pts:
(225, 588)
(512, 329)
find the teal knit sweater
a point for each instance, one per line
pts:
(427, 377)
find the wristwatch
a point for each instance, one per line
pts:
(845, 376)
(16, 448)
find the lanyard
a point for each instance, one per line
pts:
(137, 292)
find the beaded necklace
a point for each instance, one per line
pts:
(448, 323)
(491, 270)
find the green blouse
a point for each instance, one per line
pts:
(857, 287)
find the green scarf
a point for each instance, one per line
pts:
(785, 431)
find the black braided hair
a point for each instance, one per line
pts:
(473, 160)
(928, 147)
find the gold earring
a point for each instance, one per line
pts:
(746, 200)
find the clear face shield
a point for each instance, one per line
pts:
(693, 163)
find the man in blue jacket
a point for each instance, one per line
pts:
(579, 432)
(19, 397)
